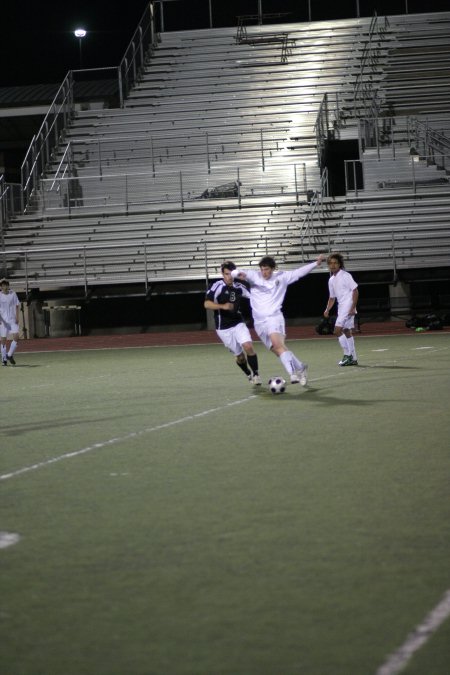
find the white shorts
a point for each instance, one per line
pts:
(345, 321)
(8, 328)
(273, 324)
(233, 338)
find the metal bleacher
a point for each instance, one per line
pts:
(400, 218)
(214, 155)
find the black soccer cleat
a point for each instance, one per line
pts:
(11, 360)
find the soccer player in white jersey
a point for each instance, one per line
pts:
(268, 287)
(343, 288)
(9, 321)
(224, 297)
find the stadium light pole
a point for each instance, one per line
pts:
(80, 33)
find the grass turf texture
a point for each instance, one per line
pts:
(302, 533)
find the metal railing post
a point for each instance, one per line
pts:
(205, 246)
(238, 188)
(153, 156)
(120, 86)
(262, 151)
(145, 268)
(141, 45)
(85, 271)
(354, 178)
(181, 190)
(99, 158)
(44, 205)
(295, 184)
(413, 173)
(305, 179)
(26, 272)
(394, 261)
(133, 49)
(208, 163)
(2, 209)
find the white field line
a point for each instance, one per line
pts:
(8, 539)
(122, 439)
(396, 661)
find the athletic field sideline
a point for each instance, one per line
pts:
(160, 516)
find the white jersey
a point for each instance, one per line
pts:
(8, 303)
(267, 295)
(341, 287)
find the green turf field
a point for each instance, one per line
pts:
(173, 520)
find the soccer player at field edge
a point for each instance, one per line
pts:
(224, 297)
(343, 288)
(9, 321)
(268, 288)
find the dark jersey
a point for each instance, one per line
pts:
(220, 293)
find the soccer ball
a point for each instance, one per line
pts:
(277, 385)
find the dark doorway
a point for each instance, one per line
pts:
(334, 155)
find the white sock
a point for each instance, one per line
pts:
(3, 352)
(299, 365)
(12, 348)
(351, 346)
(288, 361)
(343, 341)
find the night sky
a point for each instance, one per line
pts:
(38, 45)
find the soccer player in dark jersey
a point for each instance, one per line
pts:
(224, 297)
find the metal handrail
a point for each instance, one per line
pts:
(61, 110)
(9, 203)
(365, 92)
(142, 43)
(56, 177)
(169, 187)
(42, 144)
(160, 150)
(79, 253)
(429, 142)
(316, 206)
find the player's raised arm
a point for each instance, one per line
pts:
(239, 274)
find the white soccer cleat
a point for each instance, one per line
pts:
(304, 376)
(295, 378)
(256, 380)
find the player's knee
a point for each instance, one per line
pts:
(248, 348)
